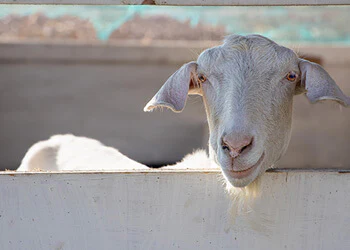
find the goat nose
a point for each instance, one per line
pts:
(236, 144)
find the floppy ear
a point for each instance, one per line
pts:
(318, 85)
(173, 94)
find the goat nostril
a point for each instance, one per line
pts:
(244, 148)
(235, 148)
(224, 147)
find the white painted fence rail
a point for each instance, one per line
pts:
(171, 210)
(185, 2)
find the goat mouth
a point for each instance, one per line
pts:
(246, 172)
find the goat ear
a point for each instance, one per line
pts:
(318, 85)
(173, 94)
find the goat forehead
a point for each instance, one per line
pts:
(255, 54)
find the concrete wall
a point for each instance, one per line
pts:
(172, 210)
(99, 91)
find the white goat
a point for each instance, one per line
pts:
(69, 152)
(247, 85)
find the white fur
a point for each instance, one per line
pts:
(197, 160)
(69, 152)
(247, 94)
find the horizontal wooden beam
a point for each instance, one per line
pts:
(185, 2)
(170, 52)
(173, 210)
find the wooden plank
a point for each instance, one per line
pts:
(184, 2)
(170, 52)
(172, 210)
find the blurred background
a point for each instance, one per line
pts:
(89, 71)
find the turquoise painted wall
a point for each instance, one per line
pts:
(283, 24)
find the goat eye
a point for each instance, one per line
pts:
(291, 76)
(201, 78)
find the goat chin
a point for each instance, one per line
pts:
(243, 202)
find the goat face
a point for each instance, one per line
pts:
(247, 85)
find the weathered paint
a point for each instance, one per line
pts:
(171, 210)
(184, 2)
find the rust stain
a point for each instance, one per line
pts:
(148, 2)
(206, 172)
